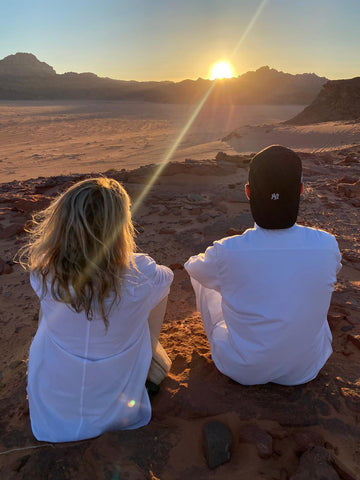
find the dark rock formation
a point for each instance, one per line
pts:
(315, 464)
(23, 76)
(338, 100)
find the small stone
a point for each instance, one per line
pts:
(253, 434)
(217, 444)
(15, 364)
(233, 231)
(355, 339)
(176, 266)
(5, 268)
(347, 328)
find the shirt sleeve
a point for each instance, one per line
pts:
(337, 257)
(36, 283)
(204, 268)
(159, 277)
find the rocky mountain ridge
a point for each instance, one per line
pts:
(23, 76)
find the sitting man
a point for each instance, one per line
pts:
(264, 295)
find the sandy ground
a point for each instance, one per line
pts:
(321, 137)
(42, 138)
(274, 428)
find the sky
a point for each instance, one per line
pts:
(179, 39)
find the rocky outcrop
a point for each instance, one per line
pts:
(338, 100)
(24, 64)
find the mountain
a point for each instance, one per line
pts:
(23, 76)
(337, 100)
(23, 65)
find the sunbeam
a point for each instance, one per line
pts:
(172, 150)
(250, 26)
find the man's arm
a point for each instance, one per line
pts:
(204, 268)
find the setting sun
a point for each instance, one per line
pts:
(221, 70)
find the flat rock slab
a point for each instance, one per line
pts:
(315, 464)
(217, 444)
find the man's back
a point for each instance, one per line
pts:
(275, 288)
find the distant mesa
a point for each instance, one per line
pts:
(23, 76)
(338, 100)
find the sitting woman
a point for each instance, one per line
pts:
(101, 311)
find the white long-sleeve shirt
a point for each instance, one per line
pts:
(82, 380)
(264, 298)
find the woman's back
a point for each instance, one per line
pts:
(83, 379)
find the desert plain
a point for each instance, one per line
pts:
(277, 432)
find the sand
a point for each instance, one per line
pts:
(174, 224)
(42, 138)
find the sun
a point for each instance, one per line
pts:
(221, 70)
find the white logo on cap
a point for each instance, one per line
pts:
(275, 196)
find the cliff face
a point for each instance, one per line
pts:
(338, 100)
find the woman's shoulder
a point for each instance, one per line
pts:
(147, 268)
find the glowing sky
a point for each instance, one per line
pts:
(178, 39)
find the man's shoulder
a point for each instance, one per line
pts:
(316, 235)
(236, 241)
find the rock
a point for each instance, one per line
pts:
(239, 160)
(222, 207)
(305, 440)
(349, 190)
(355, 339)
(253, 434)
(4, 267)
(196, 199)
(233, 231)
(12, 230)
(176, 266)
(338, 100)
(217, 444)
(204, 217)
(352, 398)
(349, 160)
(343, 470)
(32, 203)
(236, 196)
(315, 464)
(347, 328)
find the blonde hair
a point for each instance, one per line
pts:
(83, 242)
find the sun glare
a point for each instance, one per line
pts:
(221, 70)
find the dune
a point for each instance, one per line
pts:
(277, 432)
(318, 137)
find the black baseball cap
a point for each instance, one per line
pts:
(275, 178)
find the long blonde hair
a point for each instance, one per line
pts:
(83, 242)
